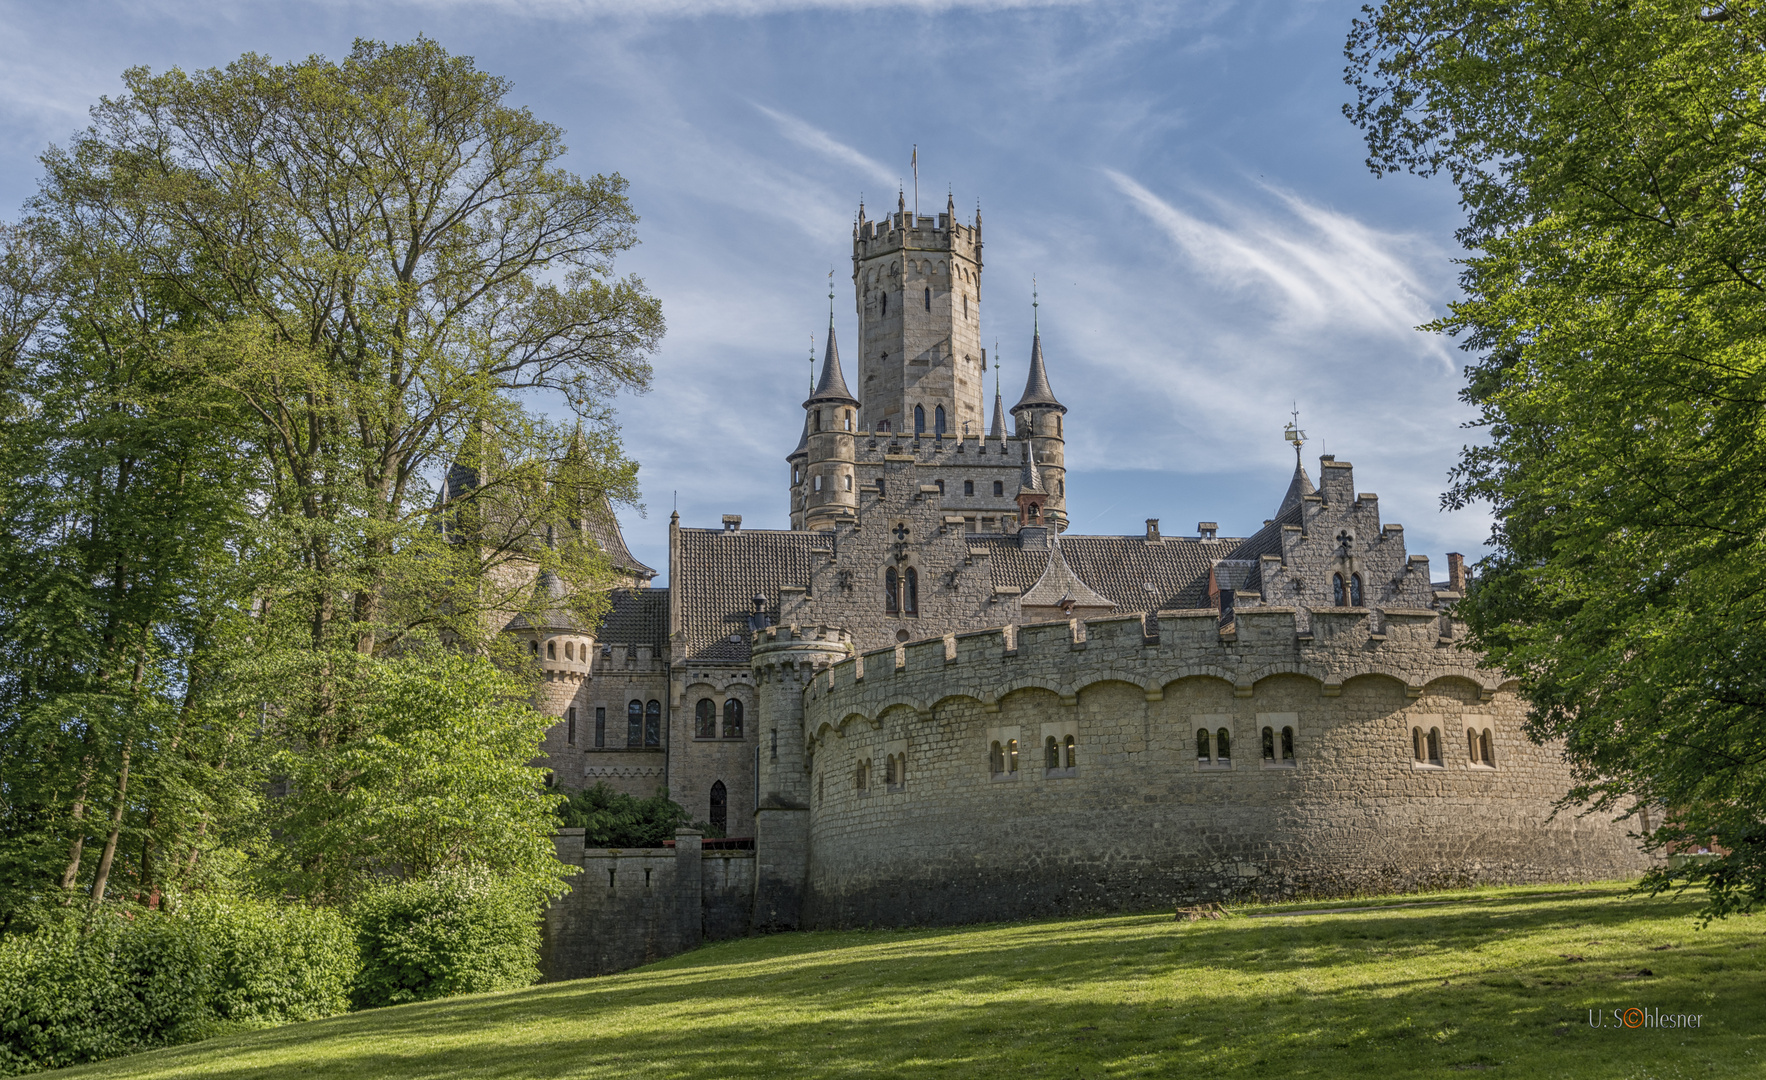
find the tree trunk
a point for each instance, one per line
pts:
(71, 875)
(116, 827)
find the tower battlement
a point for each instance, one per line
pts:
(872, 238)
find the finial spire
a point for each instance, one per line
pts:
(1035, 326)
(830, 300)
(812, 363)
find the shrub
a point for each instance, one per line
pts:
(132, 979)
(459, 931)
(614, 819)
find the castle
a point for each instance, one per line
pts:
(926, 702)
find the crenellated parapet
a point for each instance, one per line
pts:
(1412, 647)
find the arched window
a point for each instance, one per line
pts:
(634, 723)
(891, 592)
(551, 650)
(569, 653)
(1268, 744)
(534, 647)
(938, 420)
(1354, 590)
(705, 719)
(1338, 596)
(1202, 745)
(928, 298)
(1011, 755)
(1434, 746)
(732, 719)
(910, 601)
(1472, 745)
(1287, 744)
(919, 420)
(1485, 746)
(1416, 743)
(720, 808)
(1051, 754)
(653, 724)
(1072, 756)
(1223, 745)
(996, 759)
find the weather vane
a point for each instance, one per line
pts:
(1033, 303)
(830, 296)
(812, 365)
(1293, 433)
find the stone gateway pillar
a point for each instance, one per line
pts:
(785, 660)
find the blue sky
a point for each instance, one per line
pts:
(1210, 247)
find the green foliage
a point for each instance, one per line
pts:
(1495, 983)
(134, 979)
(463, 930)
(616, 820)
(437, 773)
(1608, 158)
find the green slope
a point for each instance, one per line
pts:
(1484, 982)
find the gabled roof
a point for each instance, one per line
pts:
(831, 387)
(1037, 392)
(717, 576)
(1059, 586)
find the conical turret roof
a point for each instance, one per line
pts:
(1298, 488)
(550, 613)
(1037, 392)
(831, 387)
(998, 430)
(802, 441)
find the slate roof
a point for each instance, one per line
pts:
(1036, 388)
(635, 617)
(832, 385)
(547, 589)
(718, 575)
(998, 429)
(1119, 567)
(1059, 586)
(1265, 541)
(604, 527)
(1029, 476)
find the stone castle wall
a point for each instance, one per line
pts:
(1139, 822)
(633, 906)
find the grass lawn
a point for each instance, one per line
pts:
(1498, 979)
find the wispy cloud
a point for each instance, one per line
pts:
(1324, 268)
(815, 139)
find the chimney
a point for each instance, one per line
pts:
(732, 522)
(1207, 530)
(1456, 572)
(1152, 528)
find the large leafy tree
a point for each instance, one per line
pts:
(272, 337)
(1611, 161)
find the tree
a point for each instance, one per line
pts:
(1609, 160)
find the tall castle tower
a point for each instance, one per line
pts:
(917, 283)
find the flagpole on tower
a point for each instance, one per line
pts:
(916, 164)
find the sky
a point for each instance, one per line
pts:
(1210, 250)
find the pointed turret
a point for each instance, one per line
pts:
(998, 430)
(831, 387)
(1029, 477)
(1298, 488)
(802, 442)
(1037, 393)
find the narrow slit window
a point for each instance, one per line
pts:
(1484, 744)
(1416, 743)
(1338, 595)
(634, 723)
(996, 759)
(891, 603)
(1072, 756)
(1011, 755)
(720, 808)
(928, 298)
(1434, 746)
(1051, 753)
(1268, 744)
(1287, 744)
(1223, 745)
(919, 420)
(911, 593)
(600, 726)
(653, 724)
(1354, 590)
(570, 725)
(1202, 745)
(938, 421)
